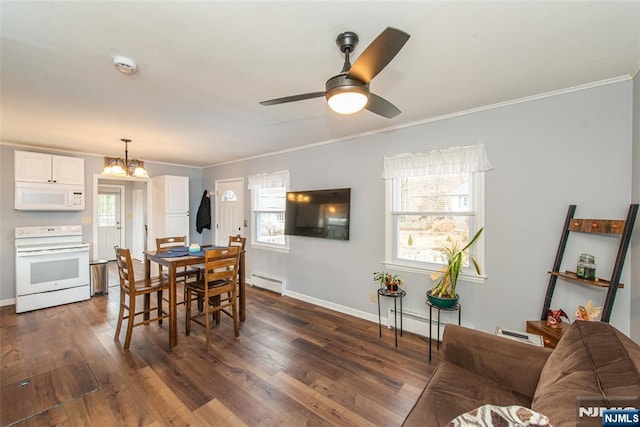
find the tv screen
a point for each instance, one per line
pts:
(318, 213)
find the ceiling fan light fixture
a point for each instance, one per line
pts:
(347, 102)
(348, 92)
(346, 96)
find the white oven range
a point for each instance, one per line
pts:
(52, 266)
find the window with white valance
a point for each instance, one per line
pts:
(269, 180)
(454, 160)
(269, 191)
(434, 198)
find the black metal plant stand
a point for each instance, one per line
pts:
(399, 294)
(456, 307)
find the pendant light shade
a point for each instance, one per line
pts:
(117, 166)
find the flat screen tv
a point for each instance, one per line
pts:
(318, 213)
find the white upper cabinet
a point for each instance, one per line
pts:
(40, 167)
(177, 190)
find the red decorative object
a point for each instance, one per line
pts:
(554, 318)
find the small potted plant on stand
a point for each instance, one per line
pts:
(388, 280)
(443, 294)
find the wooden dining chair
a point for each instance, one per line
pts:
(217, 287)
(238, 241)
(186, 273)
(130, 289)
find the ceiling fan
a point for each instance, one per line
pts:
(348, 92)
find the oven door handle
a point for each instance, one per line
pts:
(52, 252)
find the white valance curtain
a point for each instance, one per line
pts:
(470, 158)
(269, 180)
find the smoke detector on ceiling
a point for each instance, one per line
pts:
(125, 65)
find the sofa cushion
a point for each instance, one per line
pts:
(513, 364)
(452, 391)
(593, 362)
(500, 416)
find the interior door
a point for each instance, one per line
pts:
(109, 220)
(229, 209)
(136, 224)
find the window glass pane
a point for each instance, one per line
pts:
(271, 199)
(436, 193)
(422, 237)
(229, 196)
(270, 227)
(106, 210)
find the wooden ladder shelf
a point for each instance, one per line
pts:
(622, 228)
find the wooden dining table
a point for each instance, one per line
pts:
(172, 264)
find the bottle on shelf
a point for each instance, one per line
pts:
(586, 267)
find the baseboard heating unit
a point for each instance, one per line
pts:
(418, 323)
(268, 282)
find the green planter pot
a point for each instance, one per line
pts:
(442, 302)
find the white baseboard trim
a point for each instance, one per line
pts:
(10, 301)
(333, 306)
(414, 327)
(414, 323)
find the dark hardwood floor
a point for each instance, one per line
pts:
(294, 364)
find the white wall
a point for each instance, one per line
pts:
(547, 153)
(635, 241)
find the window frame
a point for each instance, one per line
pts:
(255, 196)
(107, 206)
(467, 274)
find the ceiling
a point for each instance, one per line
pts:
(204, 66)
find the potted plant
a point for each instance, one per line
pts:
(388, 280)
(443, 294)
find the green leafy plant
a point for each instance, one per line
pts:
(447, 278)
(385, 278)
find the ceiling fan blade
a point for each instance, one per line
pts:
(381, 106)
(378, 54)
(293, 98)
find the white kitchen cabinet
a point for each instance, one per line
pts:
(51, 168)
(170, 200)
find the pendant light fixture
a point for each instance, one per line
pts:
(124, 167)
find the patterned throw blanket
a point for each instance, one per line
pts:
(500, 416)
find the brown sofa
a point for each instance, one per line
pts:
(593, 365)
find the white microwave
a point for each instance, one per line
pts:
(34, 196)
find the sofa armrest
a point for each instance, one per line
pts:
(510, 363)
